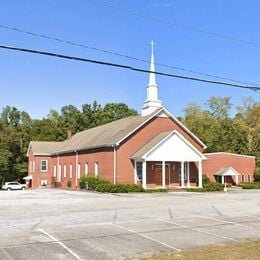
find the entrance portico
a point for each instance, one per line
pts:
(168, 160)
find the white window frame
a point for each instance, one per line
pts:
(78, 170)
(30, 166)
(45, 165)
(33, 166)
(64, 170)
(54, 170)
(242, 178)
(96, 169)
(86, 168)
(59, 173)
(71, 168)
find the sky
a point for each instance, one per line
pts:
(37, 84)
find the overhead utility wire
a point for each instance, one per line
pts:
(127, 67)
(186, 27)
(119, 54)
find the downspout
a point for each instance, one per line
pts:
(77, 162)
(114, 163)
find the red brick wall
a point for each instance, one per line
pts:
(244, 165)
(105, 157)
(125, 172)
(37, 175)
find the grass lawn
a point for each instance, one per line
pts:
(234, 251)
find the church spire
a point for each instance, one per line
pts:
(152, 80)
(152, 102)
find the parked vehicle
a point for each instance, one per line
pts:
(13, 186)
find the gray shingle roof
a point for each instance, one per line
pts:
(149, 145)
(223, 170)
(44, 147)
(102, 136)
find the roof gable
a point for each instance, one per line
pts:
(169, 146)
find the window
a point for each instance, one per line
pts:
(243, 178)
(44, 165)
(248, 178)
(78, 172)
(59, 173)
(96, 168)
(71, 170)
(139, 170)
(86, 168)
(33, 166)
(65, 171)
(30, 166)
(54, 170)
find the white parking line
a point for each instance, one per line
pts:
(198, 230)
(60, 243)
(147, 237)
(225, 221)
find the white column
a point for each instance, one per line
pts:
(200, 174)
(188, 174)
(222, 180)
(182, 174)
(144, 175)
(236, 179)
(135, 172)
(163, 174)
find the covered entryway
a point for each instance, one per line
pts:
(168, 160)
(226, 175)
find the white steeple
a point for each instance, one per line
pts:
(152, 102)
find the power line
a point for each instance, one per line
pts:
(254, 88)
(183, 26)
(119, 54)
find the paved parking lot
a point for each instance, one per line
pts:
(57, 224)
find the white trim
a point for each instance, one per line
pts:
(233, 154)
(65, 171)
(181, 137)
(114, 165)
(41, 154)
(144, 174)
(200, 174)
(41, 170)
(71, 170)
(86, 168)
(174, 119)
(96, 169)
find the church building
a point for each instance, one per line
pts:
(153, 149)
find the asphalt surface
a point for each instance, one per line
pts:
(57, 224)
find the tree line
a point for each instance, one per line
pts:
(214, 125)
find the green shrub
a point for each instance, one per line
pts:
(118, 188)
(257, 177)
(156, 190)
(205, 179)
(92, 181)
(214, 186)
(254, 185)
(69, 183)
(196, 190)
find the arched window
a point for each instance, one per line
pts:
(86, 168)
(96, 168)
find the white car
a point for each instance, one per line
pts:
(13, 186)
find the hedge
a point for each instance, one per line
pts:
(214, 186)
(118, 188)
(92, 181)
(253, 185)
